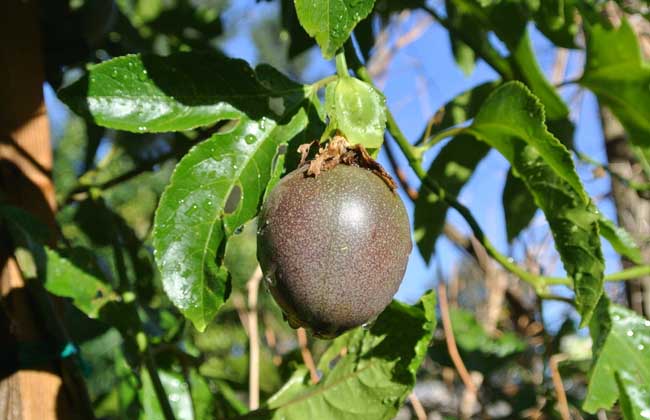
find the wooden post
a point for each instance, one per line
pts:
(48, 391)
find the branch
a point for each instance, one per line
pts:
(419, 410)
(79, 192)
(254, 353)
(563, 405)
(451, 341)
(399, 172)
(306, 355)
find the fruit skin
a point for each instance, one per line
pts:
(333, 248)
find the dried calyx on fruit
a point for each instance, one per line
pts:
(333, 240)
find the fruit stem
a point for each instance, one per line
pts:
(318, 84)
(341, 65)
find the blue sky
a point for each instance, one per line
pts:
(421, 77)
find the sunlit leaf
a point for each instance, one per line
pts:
(330, 22)
(621, 363)
(617, 74)
(214, 190)
(512, 121)
(147, 93)
(620, 239)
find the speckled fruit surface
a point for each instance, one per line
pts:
(333, 248)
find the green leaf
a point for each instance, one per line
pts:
(299, 40)
(512, 121)
(621, 349)
(556, 20)
(471, 336)
(463, 53)
(620, 239)
(452, 169)
(372, 380)
(87, 292)
(214, 189)
(532, 74)
(518, 206)
(147, 93)
(357, 110)
(59, 275)
(330, 22)
(617, 74)
(634, 397)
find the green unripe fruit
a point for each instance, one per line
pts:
(333, 247)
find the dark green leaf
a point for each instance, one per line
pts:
(471, 336)
(621, 348)
(215, 189)
(299, 40)
(620, 239)
(463, 53)
(620, 78)
(146, 93)
(518, 205)
(372, 380)
(357, 110)
(365, 37)
(452, 168)
(556, 19)
(512, 121)
(331, 21)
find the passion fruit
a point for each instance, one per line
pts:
(333, 247)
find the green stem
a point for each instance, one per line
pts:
(630, 183)
(319, 84)
(623, 275)
(341, 65)
(438, 137)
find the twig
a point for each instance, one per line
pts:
(254, 353)
(399, 173)
(306, 355)
(563, 405)
(240, 306)
(420, 412)
(451, 341)
(559, 66)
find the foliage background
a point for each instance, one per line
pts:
(506, 337)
